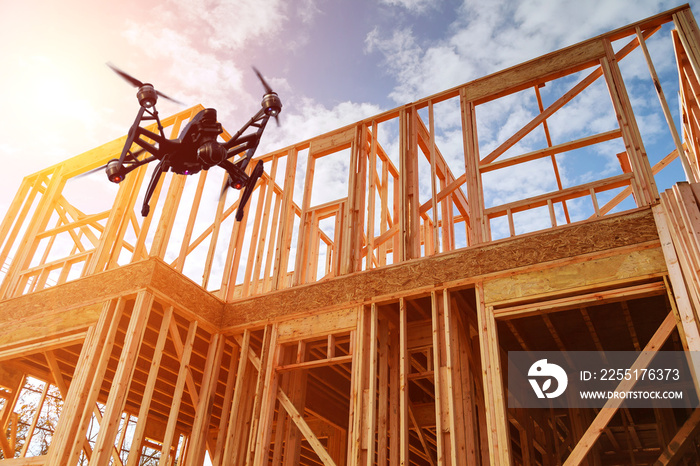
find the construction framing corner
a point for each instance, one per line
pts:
(372, 328)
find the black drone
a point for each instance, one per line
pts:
(196, 148)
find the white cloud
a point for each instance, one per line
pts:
(413, 6)
(485, 37)
(228, 25)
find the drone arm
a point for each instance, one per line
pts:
(136, 164)
(235, 138)
(148, 147)
(252, 144)
(133, 134)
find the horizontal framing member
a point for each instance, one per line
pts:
(42, 345)
(614, 182)
(592, 298)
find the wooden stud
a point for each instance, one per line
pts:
(404, 400)
(236, 410)
(168, 437)
(496, 421)
(269, 392)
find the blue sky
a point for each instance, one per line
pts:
(332, 61)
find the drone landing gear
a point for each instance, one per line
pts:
(248, 190)
(145, 208)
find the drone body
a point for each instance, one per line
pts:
(196, 148)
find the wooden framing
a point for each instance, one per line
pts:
(369, 327)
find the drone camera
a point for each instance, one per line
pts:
(272, 104)
(114, 172)
(147, 96)
(211, 153)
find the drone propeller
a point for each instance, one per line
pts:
(268, 92)
(136, 83)
(267, 87)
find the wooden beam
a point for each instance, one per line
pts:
(688, 321)
(306, 431)
(608, 410)
(681, 442)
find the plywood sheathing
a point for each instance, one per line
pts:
(61, 302)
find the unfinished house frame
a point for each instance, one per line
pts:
(371, 328)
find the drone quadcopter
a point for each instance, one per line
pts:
(196, 148)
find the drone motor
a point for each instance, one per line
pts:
(272, 104)
(113, 170)
(147, 96)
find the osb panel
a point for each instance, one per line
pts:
(42, 326)
(169, 285)
(457, 267)
(53, 306)
(80, 293)
(589, 273)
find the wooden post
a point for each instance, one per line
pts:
(286, 222)
(297, 396)
(644, 179)
(688, 323)
(217, 456)
(237, 413)
(496, 419)
(441, 373)
(477, 223)
(351, 248)
(409, 220)
(359, 391)
(404, 400)
(268, 398)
